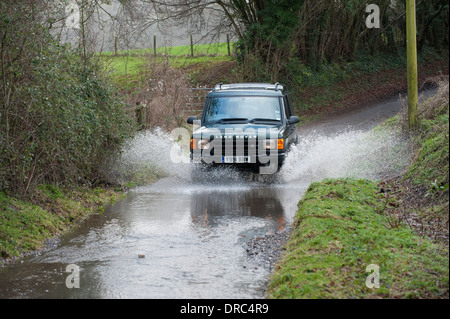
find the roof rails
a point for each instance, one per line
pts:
(248, 86)
(218, 86)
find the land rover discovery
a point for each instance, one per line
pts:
(247, 125)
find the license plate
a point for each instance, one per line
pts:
(235, 159)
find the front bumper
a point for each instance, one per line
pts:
(247, 152)
(260, 160)
(265, 164)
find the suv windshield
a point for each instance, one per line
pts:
(242, 108)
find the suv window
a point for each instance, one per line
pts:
(242, 108)
(287, 106)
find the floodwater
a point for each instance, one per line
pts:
(180, 239)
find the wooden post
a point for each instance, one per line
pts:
(411, 54)
(154, 45)
(192, 47)
(228, 44)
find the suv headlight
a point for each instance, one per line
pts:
(269, 144)
(273, 144)
(203, 144)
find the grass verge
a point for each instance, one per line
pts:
(339, 231)
(26, 226)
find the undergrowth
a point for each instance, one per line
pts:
(423, 192)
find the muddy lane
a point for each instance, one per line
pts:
(179, 239)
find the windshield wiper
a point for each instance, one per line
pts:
(234, 119)
(263, 120)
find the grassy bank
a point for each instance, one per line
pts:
(339, 231)
(26, 225)
(344, 225)
(423, 192)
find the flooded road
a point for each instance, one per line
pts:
(193, 238)
(179, 239)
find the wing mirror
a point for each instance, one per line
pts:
(191, 119)
(293, 119)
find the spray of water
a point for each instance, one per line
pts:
(375, 154)
(149, 153)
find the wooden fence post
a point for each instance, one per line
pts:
(411, 56)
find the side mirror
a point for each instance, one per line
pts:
(191, 119)
(293, 120)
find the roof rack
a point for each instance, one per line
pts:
(248, 86)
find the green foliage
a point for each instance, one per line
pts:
(305, 43)
(59, 116)
(278, 20)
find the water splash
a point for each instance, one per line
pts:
(375, 154)
(150, 152)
